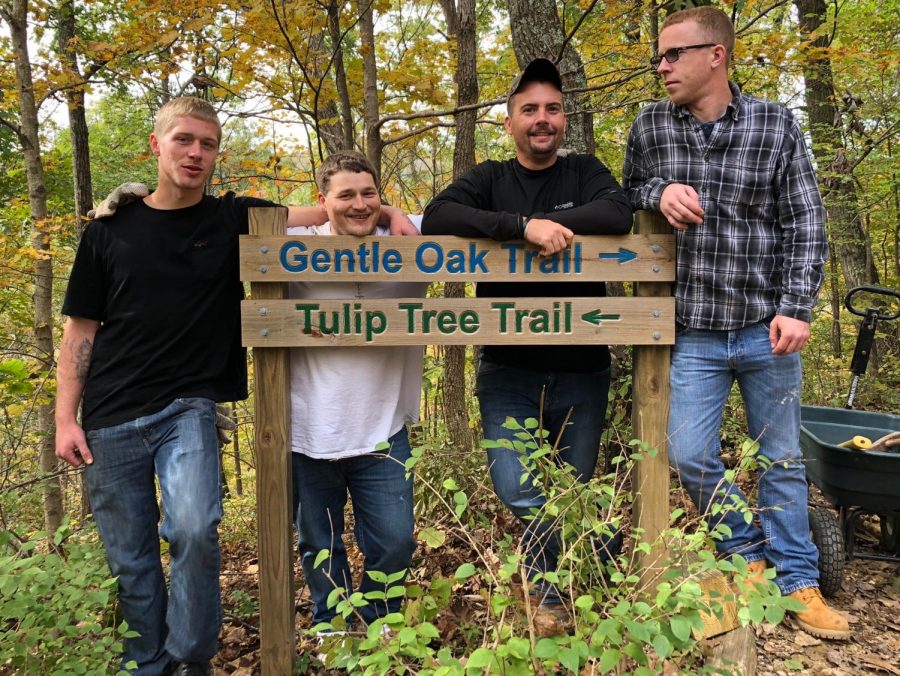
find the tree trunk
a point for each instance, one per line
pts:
(848, 234)
(460, 17)
(374, 144)
(15, 14)
(537, 31)
(78, 129)
(841, 200)
(81, 152)
(340, 75)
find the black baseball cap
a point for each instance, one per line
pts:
(539, 70)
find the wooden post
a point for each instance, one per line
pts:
(273, 478)
(650, 414)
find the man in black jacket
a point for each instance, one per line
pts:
(545, 198)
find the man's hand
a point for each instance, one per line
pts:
(398, 221)
(680, 204)
(549, 235)
(120, 196)
(788, 335)
(71, 445)
(225, 424)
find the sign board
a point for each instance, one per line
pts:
(458, 321)
(429, 259)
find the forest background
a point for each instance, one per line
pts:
(418, 86)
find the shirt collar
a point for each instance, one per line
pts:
(733, 110)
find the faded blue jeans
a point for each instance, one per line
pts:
(382, 498)
(574, 405)
(178, 446)
(705, 364)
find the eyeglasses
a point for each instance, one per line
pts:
(672, 55)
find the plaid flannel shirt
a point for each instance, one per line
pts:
(761, 247)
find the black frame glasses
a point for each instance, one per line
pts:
(672, 55)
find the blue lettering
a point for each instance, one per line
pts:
(392, 261)
(297, 263)
(341, 254)
(513, 250)
(319, 260)
(476, 259)
(420, 257)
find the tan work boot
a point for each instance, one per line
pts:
(755, 579)
(818, 619)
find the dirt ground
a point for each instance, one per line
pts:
(869, 597)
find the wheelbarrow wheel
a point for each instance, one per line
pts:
(890, 532)
(826, 536)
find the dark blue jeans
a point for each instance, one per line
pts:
(382, 498)
(552, 397)
(178, 446)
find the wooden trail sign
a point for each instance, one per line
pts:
(272, 323)
(458, 321)
(429, 259)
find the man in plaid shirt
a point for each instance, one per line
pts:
(732, 174)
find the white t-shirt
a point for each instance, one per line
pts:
(345, 400)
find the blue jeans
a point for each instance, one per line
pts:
(382, 498)
(178, 446)
(572, 405)
(705, 364)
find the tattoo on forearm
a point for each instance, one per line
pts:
(83, 360)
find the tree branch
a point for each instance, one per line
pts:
(568, 38)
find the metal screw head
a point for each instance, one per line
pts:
(264, 332)
(655, 268)
(656, 335)
(263, 311)
(264, 269)
(656, 313)
(263, 249)
(655, 248)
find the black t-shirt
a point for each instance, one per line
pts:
(577, 191)
(165, 286)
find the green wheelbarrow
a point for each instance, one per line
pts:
(854, 477)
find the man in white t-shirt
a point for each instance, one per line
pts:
(346, 401)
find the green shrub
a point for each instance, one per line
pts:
(620, 624)
(57, 608)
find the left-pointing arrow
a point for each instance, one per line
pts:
(597, 317)
(622, 255)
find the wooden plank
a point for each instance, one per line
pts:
(732, 653)
(649, 421)
(458, 321)
(273, 480)
(430, 259)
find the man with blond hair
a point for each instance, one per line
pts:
(732, 175)
(152, 341)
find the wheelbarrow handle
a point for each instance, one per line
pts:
(878, 290)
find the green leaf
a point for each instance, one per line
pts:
(681, 628)
(479, 659)
(432, 537)
(569, 659)
(546, 649)
(609, 659)
(321, 557)
(377, 576)
(662, 646)
(793, 665)
(464, 572)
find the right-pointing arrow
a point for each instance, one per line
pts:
(622, 255)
